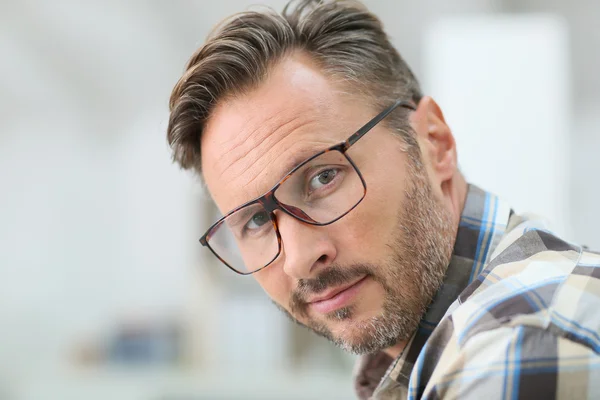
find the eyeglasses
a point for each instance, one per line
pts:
(318, 191)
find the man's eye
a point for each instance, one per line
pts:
(257, 220)
(323, 178)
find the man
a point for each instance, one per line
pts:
(340, 191)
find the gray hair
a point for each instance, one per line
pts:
(344, 39)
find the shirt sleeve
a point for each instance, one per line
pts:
(515, 363)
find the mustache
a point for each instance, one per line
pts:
(331, 277)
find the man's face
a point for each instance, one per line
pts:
(364, 281)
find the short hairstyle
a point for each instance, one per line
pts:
(344, 39)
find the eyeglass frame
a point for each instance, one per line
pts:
(270, 203)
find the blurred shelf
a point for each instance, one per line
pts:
(170, 384)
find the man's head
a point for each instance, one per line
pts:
(266, 92)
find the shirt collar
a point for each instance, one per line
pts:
(483, 222)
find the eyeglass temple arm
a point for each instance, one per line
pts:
(361, 132)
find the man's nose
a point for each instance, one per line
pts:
(306, 249)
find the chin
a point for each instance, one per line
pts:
(363, 338)
(364, 328)
(351, 329)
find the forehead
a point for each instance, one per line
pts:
(253, 140)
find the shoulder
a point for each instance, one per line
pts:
(515, 362)
(538, 280)
(532, 314)
(535, 279)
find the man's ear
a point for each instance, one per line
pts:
(436, 140)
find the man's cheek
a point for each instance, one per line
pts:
(276, 287)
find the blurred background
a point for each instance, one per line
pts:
(104, 290)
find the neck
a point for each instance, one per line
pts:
(459, 189)
(396, 349)
(454, 192)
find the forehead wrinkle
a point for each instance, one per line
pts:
(277, 173)
(254, 144)
(266, 147)
(238, 139)
(264, 135)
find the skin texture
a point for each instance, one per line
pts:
(399, 238)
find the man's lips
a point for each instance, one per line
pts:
(337, 297)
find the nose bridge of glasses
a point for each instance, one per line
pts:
(270, 204)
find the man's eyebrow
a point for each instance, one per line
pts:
(290, 163)
(240, 216)
(297, 159)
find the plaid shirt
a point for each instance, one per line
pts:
(518, 316)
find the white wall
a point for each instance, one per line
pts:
(504, 84)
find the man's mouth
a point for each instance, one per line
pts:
(336, 298)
